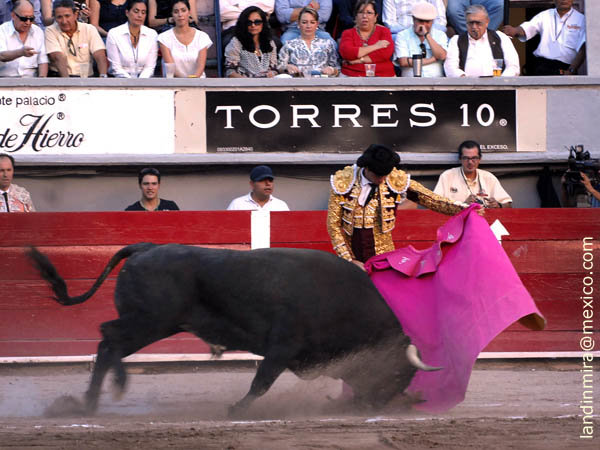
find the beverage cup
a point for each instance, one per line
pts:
(417, 64)
(306, 71)
(84, 70)
(498, 66)
(370, 70)
(169, 70)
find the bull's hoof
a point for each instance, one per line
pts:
(237, 411)
(65, 406)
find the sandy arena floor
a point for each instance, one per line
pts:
(524, 405)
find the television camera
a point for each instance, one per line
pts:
(580, 162)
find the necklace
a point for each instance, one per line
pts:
(365, 42)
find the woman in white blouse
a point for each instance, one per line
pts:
(132, 47)
(184, 45)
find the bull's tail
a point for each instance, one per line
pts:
(49, 273)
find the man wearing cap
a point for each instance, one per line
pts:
(363, 201)
(260, 197)
(397, 14)
(422, 39)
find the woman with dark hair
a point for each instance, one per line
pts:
(251, 52)
(367, 43)
(132, 47)
(309, 51)
(184, 45)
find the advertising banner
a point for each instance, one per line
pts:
(86, 122)
(342, 121)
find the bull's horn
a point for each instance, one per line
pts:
(413, 357)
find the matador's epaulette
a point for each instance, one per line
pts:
(398, 181)
(343, 180)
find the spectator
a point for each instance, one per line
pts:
(184, 45)
(562, 39)
(13, 198)
(71, 44)
(363, 201)
(252, 52)
(470, 184)
(367, 43)
(47, 17)
(593, 190)
(132, 48)
(107, 14)
(397, 14)
(345, 14)
(473, 54)
(287, 12)
(22, 49)
(309, 51)
(231, 10)
(7, 6)
(260, 197)
(149, 182)
(160, 15)
(457, 12)
(422, 38)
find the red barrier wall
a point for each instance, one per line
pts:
(545, 246)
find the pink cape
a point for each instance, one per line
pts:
(452, 300)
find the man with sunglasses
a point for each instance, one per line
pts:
(71, 44)
(473, 54)
(424, 39)
(469, 184)
(22, 49)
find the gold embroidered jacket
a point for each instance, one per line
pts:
(345, 213)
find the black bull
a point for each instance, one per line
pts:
(305, 310)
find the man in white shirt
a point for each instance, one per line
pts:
(260, 197)
(562, 39)
(473, 54)
(424, 39)
(22, 49)
(469, 184)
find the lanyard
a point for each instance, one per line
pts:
(557, 35)
(467, 184)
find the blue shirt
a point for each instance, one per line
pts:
(284, 9)
(408, 43)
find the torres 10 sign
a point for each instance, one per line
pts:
(344, 121)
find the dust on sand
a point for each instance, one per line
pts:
(522, 405)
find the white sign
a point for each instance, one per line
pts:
(87, 122)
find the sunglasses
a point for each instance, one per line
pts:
(256, 22)
(423, 50)
(71, 45)
(25, 19)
